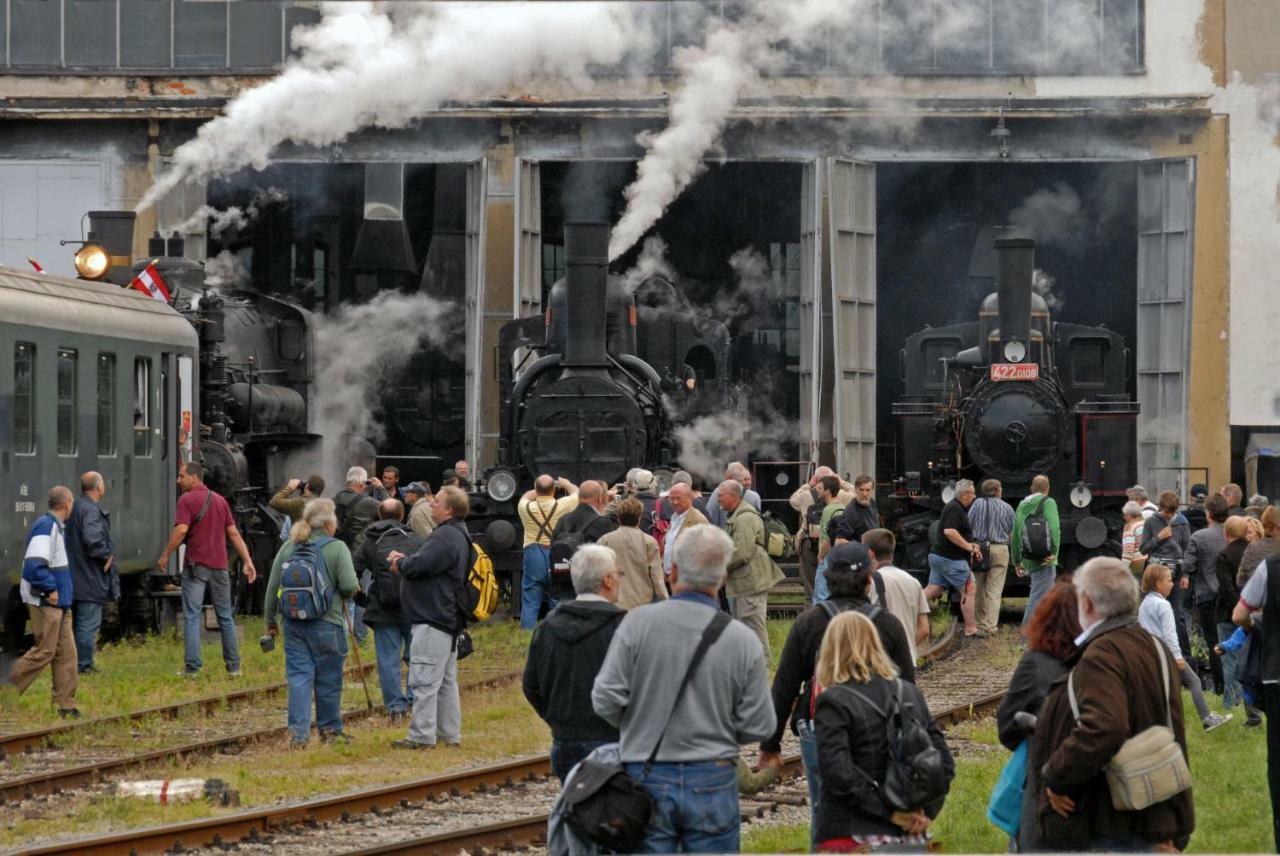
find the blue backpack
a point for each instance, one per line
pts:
(306, 593)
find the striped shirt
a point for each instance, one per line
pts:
(991, 519)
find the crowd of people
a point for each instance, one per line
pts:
(650, 649)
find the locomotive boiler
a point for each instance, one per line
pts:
(1010, 396)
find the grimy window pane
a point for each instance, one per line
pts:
(199, 34)
(145, 37)
(91, 33)
(1120, 35)
(67, 364)
(4, 27)
(1074, 32)
(106, 404)
(295, 16)
(24, 398)
(35, 32)
(1019, 33)
(255, 34)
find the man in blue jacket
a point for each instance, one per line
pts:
(93, 569)
(47, 591)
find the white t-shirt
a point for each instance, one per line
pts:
(904, 599)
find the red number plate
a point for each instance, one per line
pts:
(1015, 371)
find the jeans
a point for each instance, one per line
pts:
(695, 806)
(1232, 695)
(314, 652)
(195, 579)
(812, 776)
(535, 584)
(821, 591)
(565, 754)
(1042, 580)
(433, 682)
(391, 645)
(1271, 706)
(87, 620)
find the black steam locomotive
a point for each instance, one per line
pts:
(1011, 396)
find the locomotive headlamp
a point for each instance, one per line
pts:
(501, 485)
(1081, 496)
(1015, 351)
(92, 261)
(949, 491)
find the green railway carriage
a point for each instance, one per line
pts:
(92, 377)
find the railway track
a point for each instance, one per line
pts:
(260, 826)
(82, 775)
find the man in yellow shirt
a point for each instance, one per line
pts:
(540, 511)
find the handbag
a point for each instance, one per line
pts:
(605, 805)
(984, 564)
(1150, 766)
(1005, 807)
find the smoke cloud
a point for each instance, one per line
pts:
(358, 354)
(366, 65)
(710, 442)
(651, 262)
(1046, 286)
(232, 217)
(226, 270)
(1053, 216)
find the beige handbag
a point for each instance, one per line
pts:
(1150, 767)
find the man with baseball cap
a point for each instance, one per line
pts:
(1194, 512)
(849, 577)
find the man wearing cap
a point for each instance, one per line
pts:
(849, 570)
(1194, 512)
(419, 514)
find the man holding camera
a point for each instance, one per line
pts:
(287, 503)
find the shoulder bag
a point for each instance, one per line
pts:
(605, 805)
(1150, 767)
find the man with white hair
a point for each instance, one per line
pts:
(565, 656)
(1138, 494)
(1124, 681)
(681, 734)
(355, 509)
(716, 512)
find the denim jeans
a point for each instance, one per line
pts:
(809, 757)
(1042, 580)
(314, 652)
(87, 620)
(195, 579)
(695, 806)
(821, 591)
(1232, 695)
(391, 644)
(535, 584)
(565, 754)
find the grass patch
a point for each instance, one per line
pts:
(1233, 812)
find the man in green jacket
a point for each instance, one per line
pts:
(752, 571)
(1043, 571)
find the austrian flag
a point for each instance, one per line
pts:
(150, 283)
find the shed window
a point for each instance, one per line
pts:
(24, 398)
(1089, 362)
(106, 404)
(67, 361)
(142, 407)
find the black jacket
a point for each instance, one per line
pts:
(88, 533)
(593, 527)
(856, 521)
(381, 538)
(853, 751)
(565, 655)
(431, 579)
(355, 512)
(1225, 568)
(1035, 675)
(800, 657)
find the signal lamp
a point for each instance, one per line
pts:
(92, 262)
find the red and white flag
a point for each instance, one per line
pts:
(35, 264)
(150, 283)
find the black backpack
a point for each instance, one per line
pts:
(386, 585)
(563, 546)
(916, 775)
(342, 510)
(1037, 540)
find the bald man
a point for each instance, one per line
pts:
(585, 524)
(91, 554)
(540, 510)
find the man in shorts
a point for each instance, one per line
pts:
(952, 553)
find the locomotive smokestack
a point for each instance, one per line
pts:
(586, 249)
(1013, 283)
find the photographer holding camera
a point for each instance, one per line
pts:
(286, 502)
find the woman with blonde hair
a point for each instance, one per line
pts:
(310, 567)
(853, 721)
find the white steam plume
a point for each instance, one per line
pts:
(708, 443)
(385, 65)
(358, 355)
(1053, 216)
(226, 270)
(232, 217)
(652, 261)
(1045, 285)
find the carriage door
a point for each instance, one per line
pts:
(815, 420)
(851, 232)
(479, 427)
(1165, 210)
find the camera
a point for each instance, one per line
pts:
(267, 643)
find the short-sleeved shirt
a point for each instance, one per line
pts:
(1254, 593)
(207, 540)
(904, 599)
(540, 516)
(954, 516)
(828, 512)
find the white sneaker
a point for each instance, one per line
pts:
(1216, 719)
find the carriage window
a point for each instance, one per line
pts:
(24, 398)
(67, 360)
(142, 407)
(106, 404)
(1088, 362)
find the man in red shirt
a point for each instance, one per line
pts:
(205, 524)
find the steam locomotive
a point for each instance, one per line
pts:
(1011, 396)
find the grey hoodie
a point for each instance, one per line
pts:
(1171, 549)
